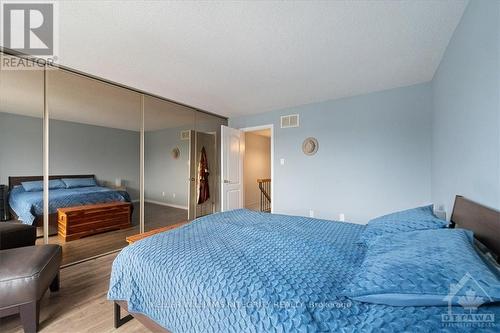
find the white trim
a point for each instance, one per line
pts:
(167, 204)
(45, 159)
(258, 128)
(192, 168)
(141, 170)
(221, 169)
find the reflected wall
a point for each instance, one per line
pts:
(167, 128)
(21, 136)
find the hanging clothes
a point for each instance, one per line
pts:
(203, 173)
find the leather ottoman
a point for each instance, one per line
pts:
(14, 234)
(25, 275)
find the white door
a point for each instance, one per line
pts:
(232, 148)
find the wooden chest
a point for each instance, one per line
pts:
(80, 221)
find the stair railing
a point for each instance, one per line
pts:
(265, 194)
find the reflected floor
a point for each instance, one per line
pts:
(155, 216)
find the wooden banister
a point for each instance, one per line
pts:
(265, 196)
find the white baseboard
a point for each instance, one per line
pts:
(166, 204)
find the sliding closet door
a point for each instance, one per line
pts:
(207, 155)
(95, 151)
(166, 162)
(21, 136)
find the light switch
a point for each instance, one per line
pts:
(282, 161)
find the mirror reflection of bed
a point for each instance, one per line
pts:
(94, 128)
(69, 195)
(80, 207)
(95, 132)
(27, 205)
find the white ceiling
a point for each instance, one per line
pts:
(79, 99)
(236, 58)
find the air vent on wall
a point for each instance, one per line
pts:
(185, 135)
(291, 120)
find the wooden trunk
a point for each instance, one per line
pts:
(81, 221)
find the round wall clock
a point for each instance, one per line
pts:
(310, 146)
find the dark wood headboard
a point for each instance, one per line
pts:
(482, 220)
(17, 180)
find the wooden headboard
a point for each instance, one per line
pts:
(14, 181)
(482, 220)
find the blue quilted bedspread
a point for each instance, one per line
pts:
(29, 205)
(243, 271)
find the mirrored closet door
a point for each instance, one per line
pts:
(21, 148)
(94, 157)
(205, 165)
(167, 133)
(97, 134)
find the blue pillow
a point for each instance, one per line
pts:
(79, 182)
(421, 218)
(37, 185)
(425, 268)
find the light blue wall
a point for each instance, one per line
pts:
(374, 154)
(108, 153)
(466, 117)
(74, 149)
(162, 173)
(20, 146)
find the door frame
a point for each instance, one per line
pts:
(258, 128)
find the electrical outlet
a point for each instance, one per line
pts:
(162, 194)
(311, 213)
(342, 217)
(173, 195)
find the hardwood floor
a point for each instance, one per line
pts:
(155, 216)
(80, 305)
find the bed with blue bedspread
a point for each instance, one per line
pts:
(244, 271)
(28, 205)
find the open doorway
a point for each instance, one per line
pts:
(256, 177)
(257, 170)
